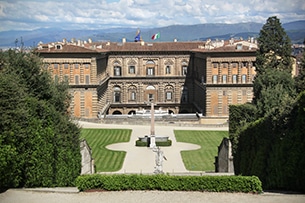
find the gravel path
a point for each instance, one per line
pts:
(57, 196)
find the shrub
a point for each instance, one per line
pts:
(168, 143)
(116, 182)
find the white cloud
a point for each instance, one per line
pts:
(30, 14)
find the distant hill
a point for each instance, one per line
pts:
(295, 30)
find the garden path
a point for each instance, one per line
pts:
(142, 159)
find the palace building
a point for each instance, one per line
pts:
(108, 78)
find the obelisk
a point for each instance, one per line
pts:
(152, 126)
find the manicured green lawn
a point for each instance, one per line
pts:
(202, 159)
(106, 160)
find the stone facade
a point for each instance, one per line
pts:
(180, 77)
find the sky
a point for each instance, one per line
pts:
(99, 14)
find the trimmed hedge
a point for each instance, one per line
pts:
(246, 184)
(158, 144)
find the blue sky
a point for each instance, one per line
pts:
(96, 14)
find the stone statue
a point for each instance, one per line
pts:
(159, 160)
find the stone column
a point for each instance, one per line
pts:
(152, 127)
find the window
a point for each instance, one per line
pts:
(66, 66)
(244, 92)
(55, 65)
(245, 64)
(184, 70)
(46, 66)
(234, 79)
(132, 70)
(117, 94)
(224, 79)
(150, 97)
(87, 78)
(76, 79)
(234, 65)
(244, 78)
(117, 71)
(133, 96)
(66, 78)
(150, 71)
(86, 65)
(215, 65)
(169, 95)
(117, 97)
(167, 70)
(225, 65)
(76, 66)
(214, 79)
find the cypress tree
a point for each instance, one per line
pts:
(273, 87)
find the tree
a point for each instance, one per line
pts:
(273, 85)
(39, 144)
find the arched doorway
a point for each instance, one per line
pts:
(117, 112)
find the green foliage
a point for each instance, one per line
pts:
(273, 90)
(168, 143)
(271, 146)
(201, 159)
(39, 144)
(239, 116)
(170, 183)
(274, 47)
(106, 160)
(273, 151)
(273, 86)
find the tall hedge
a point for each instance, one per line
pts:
(39, 145)
(273, 150)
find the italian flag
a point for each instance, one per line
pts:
(156, 36)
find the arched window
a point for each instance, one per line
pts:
(214, 79)
(224, 79)
(244, 79)
(150, 68)
(184, 68)
(132, 93)
(117, 69)
(234, 79)
(117, 94)
(169, 92)
(167, 70)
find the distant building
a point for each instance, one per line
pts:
(180, 77)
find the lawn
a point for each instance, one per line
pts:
(202, 159)
(106, 160)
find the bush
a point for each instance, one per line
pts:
(244, 184)
(168, 143)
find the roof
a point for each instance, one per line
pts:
(104, 47)
(146, 46)
(63, 48)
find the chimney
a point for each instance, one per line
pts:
(124, 40)
(142, 43)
